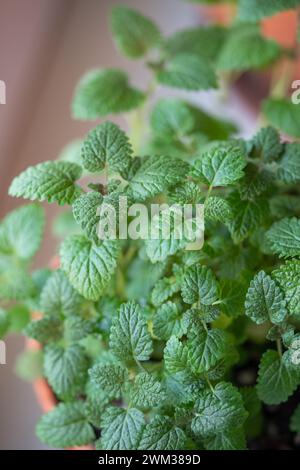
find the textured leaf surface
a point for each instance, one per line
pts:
(247, 216)
(199, 284)
(59, 297)
(121, 428)
(289, 166)
(157, 174)
(129, 336)
(48, 329)
(206, 349)
(109, 377)
(167, 321)
(48, 181)
(65, 369)
(89, 267)
(218, 209)
(288, 278)
(106, 144)
(230, 440)
(220, 166)
(134, 34)
(284, 237)
(65, 426)
(264, 300)
(162, 434)
(222, 409)
(146, 391)
(103, 92)
(277, 378)
(86, 213)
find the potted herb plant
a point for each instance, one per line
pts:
(145, 344)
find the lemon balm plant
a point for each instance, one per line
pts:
(144, 343)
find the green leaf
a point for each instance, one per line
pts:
(156, 174)
(65, 369)
(233, 297)
(46, 330)
(164, 289)
(19, 317)
(186, 193)
(187, 71)
(103, 92)
(230, 440)
(89, 267)
(121, 429)
(110, 378)
(206, 349)
(48, 181)
(284, 237)
(246, 49)
(199, 284)
(29, 365)
(85, 212)
(106, 144)
(134, 34)
(295, 420)
(289, 166)
(284, 115)
(129, 336)
(15, 282)
(76, 328)
(253, 424)
(59, 297)
(146, 391)
(254, 183)
(220, 166)
(167, 321)
(203, 41)
(21, 231)
(222, 409)
(65, 426)
(264, 300)
(266, 144)
(162, 434)
(175, 356)
(277, 378)
(288, 278)
(250, 10)
(247, 216)
(217, 209)
(172, 118)
(173, 232)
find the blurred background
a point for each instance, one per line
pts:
(45, 46)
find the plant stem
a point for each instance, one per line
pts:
(138, 121)
(279, 347)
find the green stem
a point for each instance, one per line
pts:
(209, 384)
(138, 119)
